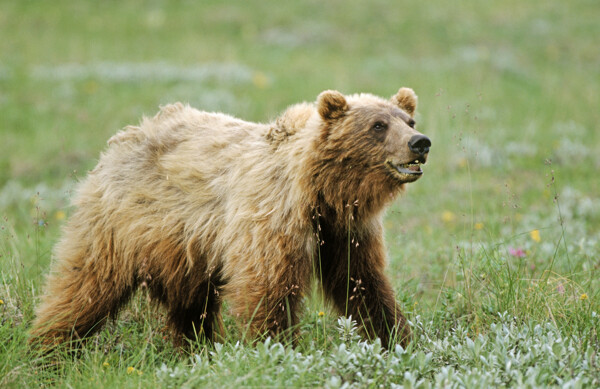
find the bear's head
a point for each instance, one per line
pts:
(369, 145)
(376, 134)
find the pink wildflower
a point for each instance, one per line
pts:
(519, 253)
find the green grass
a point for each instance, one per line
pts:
(508, 93)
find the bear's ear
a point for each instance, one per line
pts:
(407, 100)
(332, 105)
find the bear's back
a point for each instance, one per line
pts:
(194, 165)
(176, 123)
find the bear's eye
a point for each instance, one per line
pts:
(379, 126)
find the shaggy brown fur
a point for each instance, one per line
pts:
(200, 207)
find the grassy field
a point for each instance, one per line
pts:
(494, 253)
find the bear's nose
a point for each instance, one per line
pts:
(419, 144)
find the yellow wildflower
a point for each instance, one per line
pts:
(106, 364)
(260, 80)
(448, 217)
(130, 369)
(478, 226)
(59, 215)
(321, 313)
(584, 296)
(90, 87)
(1, 302)
(535, 235)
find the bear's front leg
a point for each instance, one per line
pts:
(353, 278)
(266, 296)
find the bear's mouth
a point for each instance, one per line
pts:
(407, 171)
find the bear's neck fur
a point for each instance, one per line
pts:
(344, 194)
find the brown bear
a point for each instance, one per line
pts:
(202, 207)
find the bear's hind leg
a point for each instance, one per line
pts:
(80, 296)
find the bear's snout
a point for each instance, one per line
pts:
(419, 144)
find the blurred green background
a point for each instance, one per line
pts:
(508, 93)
